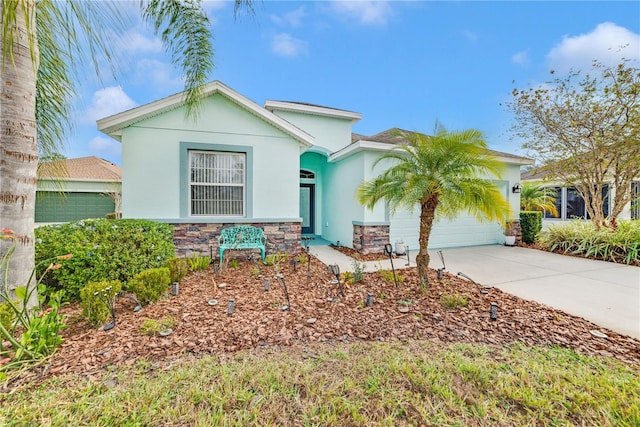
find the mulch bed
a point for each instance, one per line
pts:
(359, 256)
(318, 313)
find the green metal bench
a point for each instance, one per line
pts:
(242, 237)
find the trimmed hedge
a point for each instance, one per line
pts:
(530, 225)
(103, 250)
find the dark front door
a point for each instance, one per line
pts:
(307, 207)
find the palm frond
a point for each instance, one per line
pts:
(185, 32)
(70, 35)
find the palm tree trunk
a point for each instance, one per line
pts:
(427, 216)
(18, 145)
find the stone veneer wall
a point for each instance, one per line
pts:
(203, 238)
(370, 239)
(513, 229)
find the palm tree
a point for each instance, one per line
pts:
(441, 174)
(43, 44)
(536, 197)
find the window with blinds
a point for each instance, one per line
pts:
(217, 183)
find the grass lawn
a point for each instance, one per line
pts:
(389, 384)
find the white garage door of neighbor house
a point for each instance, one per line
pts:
(463, 231)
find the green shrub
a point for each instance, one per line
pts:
(358, 271)
(149, 285)
(154, 327)
(198, 262)
(7, 315)
(388, 276)
(531, 225)
(94, 299)
(102, 250)
(178, 268)
(582, 238)
(453, 300)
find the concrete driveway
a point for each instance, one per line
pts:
(605, 293)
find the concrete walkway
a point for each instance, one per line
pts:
(604, 293)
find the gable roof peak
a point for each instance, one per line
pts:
(315, 109)
(113, 125)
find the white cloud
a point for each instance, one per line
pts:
(107, 101)
(521, 58)
(604, 43)
(367, 12)
(293, 18)
(159, 74)
(134, 42)
(105, 147)
(286, 45)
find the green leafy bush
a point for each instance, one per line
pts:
(582, 238)
(178, 268)
(94, 299)
(102, 250)
(453, 300)
(198, 262)
(531, 225)
(149, 285)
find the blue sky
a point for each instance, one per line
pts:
(399, 64)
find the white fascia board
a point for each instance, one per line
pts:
(113, 125)
(312, 109)
(360, 146)
(517, 161)
(65, 179)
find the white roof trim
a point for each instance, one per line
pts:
(67, 179)
(114, 124)
(312, 109)
(361, 145)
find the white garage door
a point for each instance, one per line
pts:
(463, 231)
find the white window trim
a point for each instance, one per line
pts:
(243, 185)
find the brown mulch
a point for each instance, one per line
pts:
(359, 256)
(318, 313)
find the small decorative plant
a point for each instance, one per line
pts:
(388, 276)
(358, 271)
(276, 259)
(453, 300)
(149, 285)
(199, 262)
(95, 300)
(156, 326)
(348, 278)
(178, 268)
(234, 263)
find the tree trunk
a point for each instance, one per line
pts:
(427, 216)
(18, 146)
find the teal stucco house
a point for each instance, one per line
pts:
(290, 168)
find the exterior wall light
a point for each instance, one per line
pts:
(516, 188)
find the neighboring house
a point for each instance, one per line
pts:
(571, 205)
(75, 189)
(290, 168)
